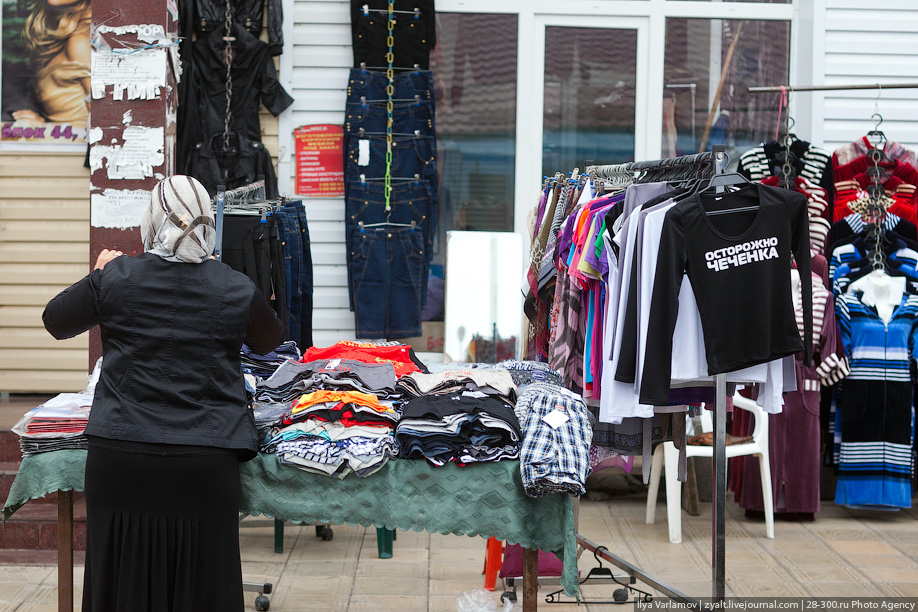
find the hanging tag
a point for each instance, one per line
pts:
(556, 419)
(363, 152)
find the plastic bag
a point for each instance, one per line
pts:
(481, 600)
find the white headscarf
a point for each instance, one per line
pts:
(179, 225)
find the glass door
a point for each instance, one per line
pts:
(586, 99)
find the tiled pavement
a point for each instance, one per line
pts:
(842, 553)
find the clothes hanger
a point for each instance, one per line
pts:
(405, 179)
(602, 574)
(416, 99)
(413, 225)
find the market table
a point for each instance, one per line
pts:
(485, 499)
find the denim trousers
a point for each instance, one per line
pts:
(288, 229)
(411, 155)
(372, 117)
(409, 202)
(297, 257)
(306, 273)
(253, 246)
(388, 268)
(372, 84)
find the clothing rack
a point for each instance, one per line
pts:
(245, 193)
(718, 158)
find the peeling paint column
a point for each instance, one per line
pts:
(135, 66)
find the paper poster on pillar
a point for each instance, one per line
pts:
(45, 74)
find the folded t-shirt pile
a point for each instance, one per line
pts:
(462, 416)
(58, 424)
(263, 366)
(336, 433)
(292, 379)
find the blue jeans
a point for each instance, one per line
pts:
(371, 84)
(387, 266)
(409, 202)
(407, 117)
(288, 229)
(410, 156)
(306, 274)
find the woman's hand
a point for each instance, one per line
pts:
(106, 256)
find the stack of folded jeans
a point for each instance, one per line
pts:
(461, 427)
(389, 245)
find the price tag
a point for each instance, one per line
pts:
(334, 363)
(363, 152)
(556, 419)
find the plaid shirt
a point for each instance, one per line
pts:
(554, 460)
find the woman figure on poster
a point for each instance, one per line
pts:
(169, 422)
(57, 36)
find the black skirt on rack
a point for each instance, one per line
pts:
(162, 529)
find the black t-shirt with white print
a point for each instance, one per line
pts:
(739, 265)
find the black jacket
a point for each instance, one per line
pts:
(171, 335)
(241, 164)
(254, 80)
(207, 15)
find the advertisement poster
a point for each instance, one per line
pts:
(319, 160)
(45, 72)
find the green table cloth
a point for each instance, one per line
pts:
(485, 499)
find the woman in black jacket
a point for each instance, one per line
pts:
(169, 422)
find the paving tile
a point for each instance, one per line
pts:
(796, 560)
(862, 547)
(290, 602)
(869, 560)
(826, 572)
(891, 573)
(842, 589)
(907, 589)
(376, 603)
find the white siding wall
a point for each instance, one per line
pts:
(866, 42)
(322, 57)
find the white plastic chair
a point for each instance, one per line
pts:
(666, 456)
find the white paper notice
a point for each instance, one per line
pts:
(556, 419)
(120, 209)
(140, 153)
(133, 76)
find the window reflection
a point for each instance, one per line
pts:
(589, 97)
(701, 72)
(474, 67)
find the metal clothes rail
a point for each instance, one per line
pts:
(788, 88)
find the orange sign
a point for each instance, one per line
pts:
(319, 160)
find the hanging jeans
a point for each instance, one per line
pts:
(409, 203)
(407, 118)
(306, 274)
(297, 258)
(373, 84)
(386, 266)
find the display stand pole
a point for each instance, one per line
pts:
(719, 526)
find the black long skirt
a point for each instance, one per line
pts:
(162, 528)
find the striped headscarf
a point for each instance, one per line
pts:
(179, 225)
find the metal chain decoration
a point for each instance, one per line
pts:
(390, 90)
(228, 59)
